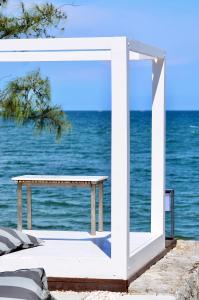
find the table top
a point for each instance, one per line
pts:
(59, 179)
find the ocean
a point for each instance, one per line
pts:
(86, 150)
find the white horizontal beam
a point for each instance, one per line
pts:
(138, 56)
(55, 56)
(61, 44)
(148, 50)
(65, 56)
(97, 43)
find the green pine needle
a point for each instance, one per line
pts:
(37, 21)
(27, 99)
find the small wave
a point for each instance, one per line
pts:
(193, 126)
(3, 206)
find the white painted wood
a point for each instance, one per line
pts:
(72, 254)
(67, 44)
(57, 44)
(138, 56)
(119, 50)
(55, 56)
(120, 158)
(65, 56)
(145, 252)
(58, 178)
(93, 212)
(158, 150)
(146, 49)
(29, 208)
(100, 212)
(19, 206)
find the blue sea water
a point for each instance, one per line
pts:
(86, 150)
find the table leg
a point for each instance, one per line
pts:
(100, 220)
(29, 208)
(93, 216)
(19, 206)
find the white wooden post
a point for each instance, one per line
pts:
(158, 149)
(120, 157)
(29, 208)
(93, 213)
(19, 207)
(100, 211)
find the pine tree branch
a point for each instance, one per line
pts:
(28, 100)
(34, 22)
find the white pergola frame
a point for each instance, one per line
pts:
(119, 51)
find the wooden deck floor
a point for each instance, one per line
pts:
(69, 255)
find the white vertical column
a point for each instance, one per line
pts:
(158, 149)
(120, 158)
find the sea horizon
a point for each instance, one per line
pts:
(86, 150)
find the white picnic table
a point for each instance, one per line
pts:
(66, 181)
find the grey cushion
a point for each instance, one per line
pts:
(29, 284)
(12, 240)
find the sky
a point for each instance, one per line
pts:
(167, 24)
